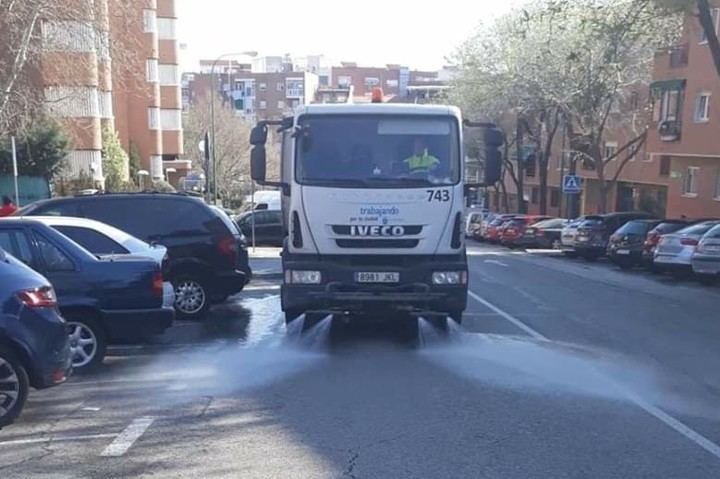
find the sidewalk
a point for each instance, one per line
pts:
(265, 262)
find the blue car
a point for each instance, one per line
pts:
(34, 345)
(104, 299)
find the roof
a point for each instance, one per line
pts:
(378, 108)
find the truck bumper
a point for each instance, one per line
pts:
(339, 292)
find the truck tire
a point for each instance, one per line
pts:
(88, 341)
(16, 386)
(192, 298)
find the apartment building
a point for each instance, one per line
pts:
(683, 140)
(137, 95)
(393, 79)
(255, 96)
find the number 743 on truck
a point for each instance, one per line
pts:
(373, 198)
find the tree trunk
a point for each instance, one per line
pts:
(706, 21)
(543, 164)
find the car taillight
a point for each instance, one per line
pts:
(38, 298)
(228, 247)
(689, 242)
(157, 284)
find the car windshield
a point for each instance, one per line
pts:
(634, 228)
(713, 233)
(377, 151)
(669, 227)
(551, 223)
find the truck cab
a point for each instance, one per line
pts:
(373, 198)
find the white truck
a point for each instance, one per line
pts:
(373, 198)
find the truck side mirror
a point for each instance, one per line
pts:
(258, 135)
(258, 163)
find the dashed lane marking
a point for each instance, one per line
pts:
(124, 441)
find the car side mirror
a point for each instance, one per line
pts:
(258, 163)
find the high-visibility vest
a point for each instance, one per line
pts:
(421, 163)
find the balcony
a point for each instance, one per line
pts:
(678, 56)
(295, 93)
(669, 130)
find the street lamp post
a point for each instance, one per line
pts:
(212, 112)
(141, 175)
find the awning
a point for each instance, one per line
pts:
(677, 84)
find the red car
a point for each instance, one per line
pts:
(493, 229)
(513, 230)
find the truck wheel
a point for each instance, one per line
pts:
(88, 341)
(192, 300)
(14, 387)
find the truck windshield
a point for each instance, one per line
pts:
(377, 151)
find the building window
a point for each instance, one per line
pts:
(169, 75)
(535, 195)
(715, 13)
(702, 108)
(665, 162)
(344, 81)
(634, 101)
(151, 71)
(371, 82)
(666, 105)
(149, 21)
(554, 197)
(167, 28)
(262, 86)
(262, 104)
(171, 119)
(281, 104)
(610, 150)
(392, 83)
(72, 102)
(717, 185)
(690, 187)
(154, 118)
(280, 86)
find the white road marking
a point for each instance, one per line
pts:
(654, 411)
(127, 438)
(262, 288)
(494, 261)
(39, 440)
(90, 409)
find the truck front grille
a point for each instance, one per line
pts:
(377, 243)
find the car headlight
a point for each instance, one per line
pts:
(449, 277)
(303, 277)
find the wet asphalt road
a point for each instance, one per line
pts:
(561, 369)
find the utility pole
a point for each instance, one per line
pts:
(15, 172)
(520, 166)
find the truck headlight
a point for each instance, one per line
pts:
(449, 277)
(303, 277)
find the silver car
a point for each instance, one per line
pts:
(706, 259)
(675, 251)
(567, 237)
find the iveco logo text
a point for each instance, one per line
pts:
(377, 231)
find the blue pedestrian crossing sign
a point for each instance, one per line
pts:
(572, 184)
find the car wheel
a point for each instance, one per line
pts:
(192, 300)
(88, 342)
(14, 387)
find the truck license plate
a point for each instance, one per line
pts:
(375, 277)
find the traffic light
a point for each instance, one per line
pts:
(494, 139)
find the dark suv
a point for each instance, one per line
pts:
(207, 257)
(593, 234)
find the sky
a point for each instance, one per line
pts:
(419, 34)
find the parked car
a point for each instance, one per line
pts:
(472, 222)
(511, 232)
(492, 234)
(627, 245)
(480, 233)
(207, 257)
(543, 234)
(593, 234)
(34, 345)
(706, 259)
(674, 251)
(103, 298)
(654, 235)
(567, 237)
(269, 229)
(101, 239)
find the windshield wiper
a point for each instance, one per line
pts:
(401, 181)
(336, 182)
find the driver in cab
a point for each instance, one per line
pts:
(421, 163)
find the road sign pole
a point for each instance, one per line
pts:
(15, 171)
